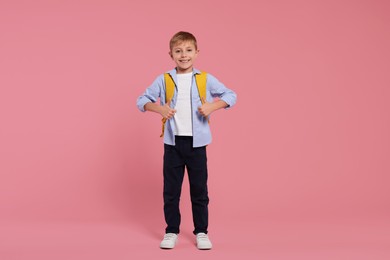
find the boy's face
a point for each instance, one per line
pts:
(184, 55)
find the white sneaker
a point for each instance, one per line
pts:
(203, 241)
(169, 241)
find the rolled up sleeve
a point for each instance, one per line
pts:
(151, 94)
(219, 90)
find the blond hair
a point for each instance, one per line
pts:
(182, 37)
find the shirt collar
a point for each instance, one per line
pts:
(194, 71)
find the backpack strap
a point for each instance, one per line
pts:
(201, 84)
(169, 87)
(201, 80)
(169, 92)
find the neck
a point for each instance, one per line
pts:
(180, 71)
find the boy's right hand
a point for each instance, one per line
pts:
(166, 111)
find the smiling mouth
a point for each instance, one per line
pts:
(184, 61)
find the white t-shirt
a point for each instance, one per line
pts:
(183, 116)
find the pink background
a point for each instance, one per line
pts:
(299, 169)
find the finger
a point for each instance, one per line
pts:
(169, 102)
(203, 100)
(171, 114)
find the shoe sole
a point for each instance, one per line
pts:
(167, 248)
(204, 248)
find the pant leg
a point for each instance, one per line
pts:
(173, 171)
(196, 162)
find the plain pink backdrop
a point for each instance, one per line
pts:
(303, 154)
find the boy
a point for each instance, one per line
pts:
(186, 135)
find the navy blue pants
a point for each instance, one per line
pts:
(176, 159)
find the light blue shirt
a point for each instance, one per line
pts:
(200, 126)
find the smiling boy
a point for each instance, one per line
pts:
(187, 133)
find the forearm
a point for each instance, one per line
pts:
(218, 105)
(207, 108)
(165, 111)
(153, 107)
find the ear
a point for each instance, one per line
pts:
(170, 54)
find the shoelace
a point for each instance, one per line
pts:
(169, 236)
(203, 237)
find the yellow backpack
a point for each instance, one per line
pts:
(170, 90)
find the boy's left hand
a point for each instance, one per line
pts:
(206, 109)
